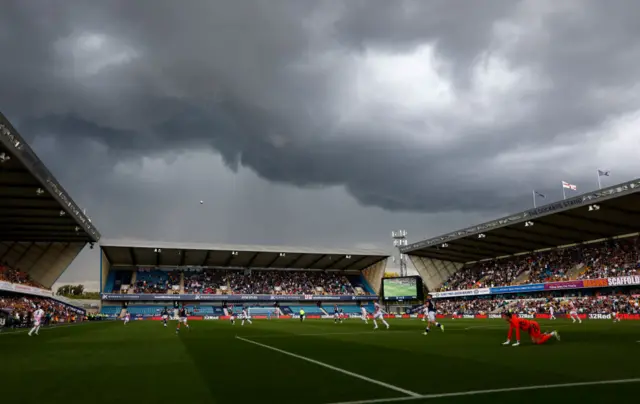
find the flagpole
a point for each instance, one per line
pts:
(564, 195)
(599, 185)
(534, 198)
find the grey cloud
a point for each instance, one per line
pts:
(223, 75)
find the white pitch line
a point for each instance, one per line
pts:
(493, 391)
(334, 368)
(333, 333)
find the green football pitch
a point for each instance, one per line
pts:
(285, 361)
(399, 289)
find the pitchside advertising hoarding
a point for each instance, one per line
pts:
(235, 298)
(536, 287)
(29, 290)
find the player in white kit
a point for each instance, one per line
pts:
(378, 314)
(551, 311)
(364, 315)
(127, 317)
(573, 313)
(37, 320)
(245, 316)
(425, 313)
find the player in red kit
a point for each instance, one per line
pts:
(532, 327)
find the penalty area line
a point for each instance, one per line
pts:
(493, 391)
(409, 393)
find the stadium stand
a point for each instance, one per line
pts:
(594, 235)
(618, 257)
(208, 279)
(42, 230)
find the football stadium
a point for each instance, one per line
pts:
(226, 324)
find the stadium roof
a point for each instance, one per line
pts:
(41, 228)
(33, 205)
(145, 254)
(606, 213)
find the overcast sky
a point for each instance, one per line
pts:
(319, 123)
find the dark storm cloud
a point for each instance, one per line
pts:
(265, 83)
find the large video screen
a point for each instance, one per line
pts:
(405, 288)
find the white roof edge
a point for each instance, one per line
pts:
(132, 243)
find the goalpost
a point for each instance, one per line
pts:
(271, 312)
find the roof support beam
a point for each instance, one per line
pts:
(445, 253)
(227, 262)
(570, 229)
(296, 261)
(26, 250)
(532, 232)
(206, 258)
(9, 249)
(622, 210)
(626, 228)
(330, 264)
(273, 261)
(458, 244)
(183, 255)
(107, 256)
(252, 260)
(526, 244)
(132, 255)
(335, 265)
(43, 253)
(355, 263)
(314, 262)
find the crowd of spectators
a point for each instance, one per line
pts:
(469, 306)
(288, 283)
(623, 304)
(156, 281)
(598, 260)
(615, 258)
(21, 308)
(266, 282)
(605, 304)
(11, 275)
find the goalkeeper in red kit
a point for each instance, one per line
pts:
(532, 327)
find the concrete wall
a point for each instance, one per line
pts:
(374, 273)
(105, 267)
(434, 272)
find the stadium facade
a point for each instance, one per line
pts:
(605, 214)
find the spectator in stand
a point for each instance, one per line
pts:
(22, 307)
(11, 275)
(599, 260)
(252, 282)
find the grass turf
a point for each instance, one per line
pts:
(145, 362)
